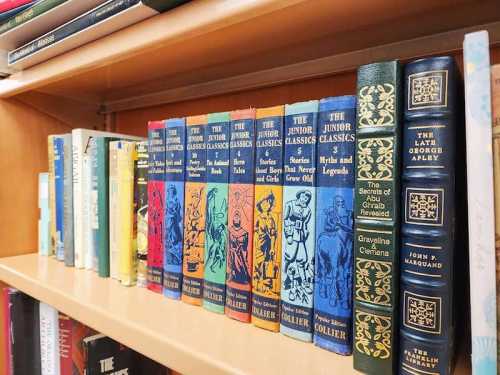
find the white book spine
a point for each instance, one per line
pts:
(78, 144)
(49, 340)
(114, 215)
(87, 210)
(480, 203)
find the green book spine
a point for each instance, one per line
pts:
(30, 13)
(377, 197)
(102, 233)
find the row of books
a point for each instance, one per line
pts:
(43, 341)
(34, 31)
(284, 215)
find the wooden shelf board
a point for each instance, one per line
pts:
(185, 338)
(218, 40)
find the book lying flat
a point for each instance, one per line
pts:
(6, 5)
(105, 19)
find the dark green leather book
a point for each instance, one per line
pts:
(377, 195)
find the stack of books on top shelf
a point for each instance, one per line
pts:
(43, 341)
(34, 31)
(337, 221)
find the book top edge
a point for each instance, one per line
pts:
(196, 120)
(337, 103)
(278, 110)
(242, 114)
(175, 122)
(218, 117)
(301, 107)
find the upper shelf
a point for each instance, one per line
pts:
(208, 47)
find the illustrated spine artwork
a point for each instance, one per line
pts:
(268, 208)
(428, 216)
(214, 286)
(480, 192)
(240, 215)
(174, 218)
(195, 204)
(59, 196)
(141, 208)
(156, 204)
(376, 234)
(334, 224)
(298, 235)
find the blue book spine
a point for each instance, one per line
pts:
(334, 224)
(59, 195)
(299, 203)
(175, 155)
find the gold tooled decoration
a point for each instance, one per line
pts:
(376, 105)
(372, 334)
(373, 281)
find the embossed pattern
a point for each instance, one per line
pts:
(375, 159)
(373, 281)
(376, 105)
(373, 334)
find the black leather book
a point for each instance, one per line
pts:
(428, 216)
(376, 238)
(25, 326)
(104, 355)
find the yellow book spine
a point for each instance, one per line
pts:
(52, 197)
(127, 236)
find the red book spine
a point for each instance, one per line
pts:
(65, 344)
(6, 327)
(6, 5)
(156, 204)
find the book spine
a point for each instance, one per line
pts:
(377, 197)
(156, 204)
(480, 201)
(6, 5)
(44, 237)
(78, 201)
(88, 205)
(127, 241)
(78, 332)
(267, 224)
(240, 215)
(68, 225)
(49, 340)
(59, 196)
(141, 207)
(65, 345)
(194, 210)
(13, 12)
(33, 11)
(214, 283)
(83, 22)
(7, 322)
(298, 235)
(495, 106)
(175, 144)
(114, 212)
(94, 203)
(334, 251)
(101, 181)
(428, 216)
(51, 197)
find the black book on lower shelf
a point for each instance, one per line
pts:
(25, 330)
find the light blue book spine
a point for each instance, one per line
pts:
(59, 195)
(480, 202)
(299, 206)
(44, 221)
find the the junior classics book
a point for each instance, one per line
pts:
(156, 204)
(59, 195)
(194, 210)
(376, 214)
(298, 235)
(214, 286)
(268, 208)
(141, 209)
(334, 224)
(175, 156)
(240, 215)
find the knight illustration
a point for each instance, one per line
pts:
(216, 231)
(298, 268)
(334, 249)
(238, 252)
(173, 226)
(194, 229)
(266, 233)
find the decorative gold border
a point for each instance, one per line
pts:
(415, 371)
(437, 299)
(418, 223)
(423, 74)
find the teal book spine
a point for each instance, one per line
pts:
(214, 285)
(299, 203)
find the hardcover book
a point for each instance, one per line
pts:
(103, 355)
(114, 213)
(65, 345)
(156, 204)
(240, 215)
(268, 209)
(127, 259)
(376, 213)
(194, 210)
(49, 340)
(59, 195)
(79, 332)
(51, 196)
(44, 238)
(298, 235)
(480, 202)
(495, 106)
(89, 206)
(214, 284)
(429, 202)
(175, 154)
(68, 223)
(6, 5)
(334, 252)
(141, 209)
